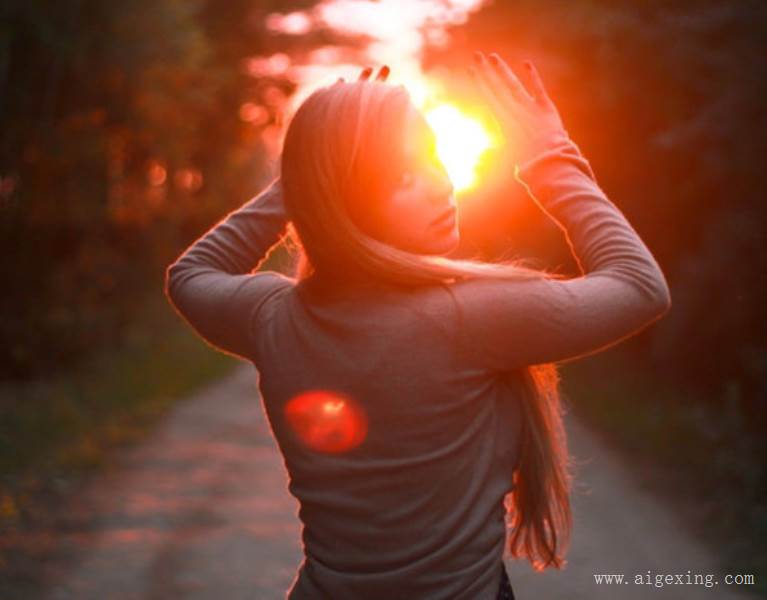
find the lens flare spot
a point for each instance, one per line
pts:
(461, 142)
(326, 421)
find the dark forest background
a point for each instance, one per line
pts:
(123, 138)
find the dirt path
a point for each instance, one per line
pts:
(201, 511)
(620, 528)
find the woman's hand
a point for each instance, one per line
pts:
(527, 116)
(383, 73)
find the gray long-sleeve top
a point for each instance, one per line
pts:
(416, 509)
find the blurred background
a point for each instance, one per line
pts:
(129, 129)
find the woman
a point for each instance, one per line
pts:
(411, 395)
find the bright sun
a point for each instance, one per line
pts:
(461, 141)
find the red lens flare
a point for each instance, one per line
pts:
(326, 421)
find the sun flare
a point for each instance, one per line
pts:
(461, 142)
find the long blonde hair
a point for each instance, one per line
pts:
(341, 152)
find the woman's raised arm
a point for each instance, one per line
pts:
(511, 324)
(211, 285)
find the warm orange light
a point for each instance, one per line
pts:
(156, 173)
(327, 422)
(188, 179)
(461, 142)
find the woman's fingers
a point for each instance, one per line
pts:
(493, 82)
(487, 92)
(524, 112)
(502, 111)
(509, 78)
(383, 73)
(536, 83)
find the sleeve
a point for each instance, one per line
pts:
(511, 324)
(211, 284)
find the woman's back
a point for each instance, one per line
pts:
(419, 502)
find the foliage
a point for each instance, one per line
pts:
(121, 141)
